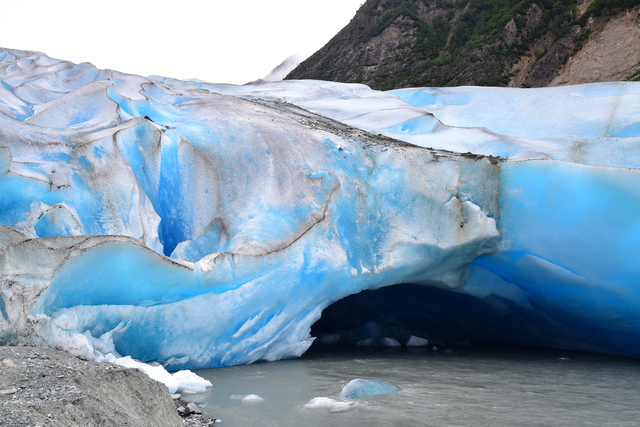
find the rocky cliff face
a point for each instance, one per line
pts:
(611, 53)
(532, 43)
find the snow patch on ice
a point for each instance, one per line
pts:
(179, 382)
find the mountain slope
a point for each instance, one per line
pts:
(529, 43)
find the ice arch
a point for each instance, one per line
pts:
(203, 225)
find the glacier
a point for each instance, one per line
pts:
(205, 225)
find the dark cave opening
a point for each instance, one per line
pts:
(446, 318)
(391, 316)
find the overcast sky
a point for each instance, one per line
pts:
(222, 41)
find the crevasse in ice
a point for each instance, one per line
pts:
(203, 225)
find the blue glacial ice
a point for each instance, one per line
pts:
(355, 389)
(204, 225)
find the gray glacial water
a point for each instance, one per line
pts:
(473, 386)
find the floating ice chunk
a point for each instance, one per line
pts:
(252, 398)
(330, 404)
(366, 387)
(417, 341)
(389, 342)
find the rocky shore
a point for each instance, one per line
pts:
(50, 388)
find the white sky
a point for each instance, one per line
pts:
(221, 41)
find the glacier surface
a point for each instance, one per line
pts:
(204, 225)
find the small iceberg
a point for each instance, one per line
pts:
(359, 387)
(252, 398)
(417, 341)
(331, 404)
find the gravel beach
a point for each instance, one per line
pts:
(50, 388)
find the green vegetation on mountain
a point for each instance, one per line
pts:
(401, 43)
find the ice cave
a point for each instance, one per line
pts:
(204, 225)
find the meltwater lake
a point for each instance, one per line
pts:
(478, 385)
